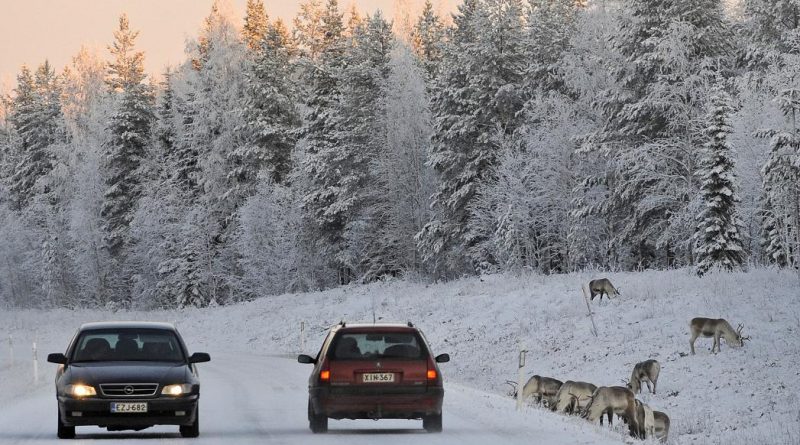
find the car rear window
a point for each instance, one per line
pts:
(128, 345)
(376, 345)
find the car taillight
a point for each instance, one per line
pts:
(325, 375)
(431, 374)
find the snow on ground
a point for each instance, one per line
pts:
(739, 396)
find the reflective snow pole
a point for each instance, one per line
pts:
(35, 365)
(302, 336)
(521, 377)
(10, 349)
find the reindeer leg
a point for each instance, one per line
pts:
(649, 388)
(691, 342)
(610, 414)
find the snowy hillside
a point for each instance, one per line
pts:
(739, 396)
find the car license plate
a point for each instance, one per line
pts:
(378, 377)
(140, 407)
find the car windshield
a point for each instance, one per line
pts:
(376, 345)
(157, 345)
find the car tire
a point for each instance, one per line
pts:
(317, 423)
(65, 432)
(192, 430)
(432, 424)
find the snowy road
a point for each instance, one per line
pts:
(262, 399)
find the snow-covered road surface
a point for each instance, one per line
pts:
(248, 398)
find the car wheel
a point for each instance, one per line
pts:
(432, 424)
(317, 423)
(65, 432)
(192, 430)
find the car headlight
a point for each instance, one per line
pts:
(81, 390)
(177, 390)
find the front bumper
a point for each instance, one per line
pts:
(97, 412)
(361, 403)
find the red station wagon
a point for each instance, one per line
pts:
(375, 371)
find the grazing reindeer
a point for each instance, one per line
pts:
(612, 400)
(645, 418)
(600, 287)
(541, 387)
(572, 397)
(709, 327)
(646, 371)
(661, 425)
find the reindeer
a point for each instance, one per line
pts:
(648, 371)
(600, 287)
(661, 425)
(572, 397)
(612, 400)
(709, 327)
(645, 419)
(541, 387)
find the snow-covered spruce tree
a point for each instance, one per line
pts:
(771, 27)
(360, 129)
(475, 104)
(651, 137)
(6, 136)
(718, 243)
(307, 30)
(781, 173)
(427, 38)
(270, 116)
(130, 127)
(551, 26)
(318, 135)
(38, 122)
(255, 26)
(341, 175)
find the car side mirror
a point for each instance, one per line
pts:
(59, 358)
(442, 358)
(307, 359)
(199, 357)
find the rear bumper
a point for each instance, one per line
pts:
(97, 412)
(360, 403)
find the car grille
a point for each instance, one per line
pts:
(129, 389)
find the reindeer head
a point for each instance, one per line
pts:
(585, 413)
(739, 335)
(513, 385)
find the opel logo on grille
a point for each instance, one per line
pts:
(128, 390)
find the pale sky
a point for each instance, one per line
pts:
(34, 30)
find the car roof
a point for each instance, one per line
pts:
(127, 325)
(364, 327)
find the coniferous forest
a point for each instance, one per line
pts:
(542, 136)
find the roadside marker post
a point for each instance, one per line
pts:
(302, 336)
(589, 310)
(10, 350)
(35, 365)
(521, 377)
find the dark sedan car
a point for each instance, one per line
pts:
(375, 371)
(127, 376)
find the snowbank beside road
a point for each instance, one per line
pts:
(747, 395)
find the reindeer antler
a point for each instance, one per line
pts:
(513, 386)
